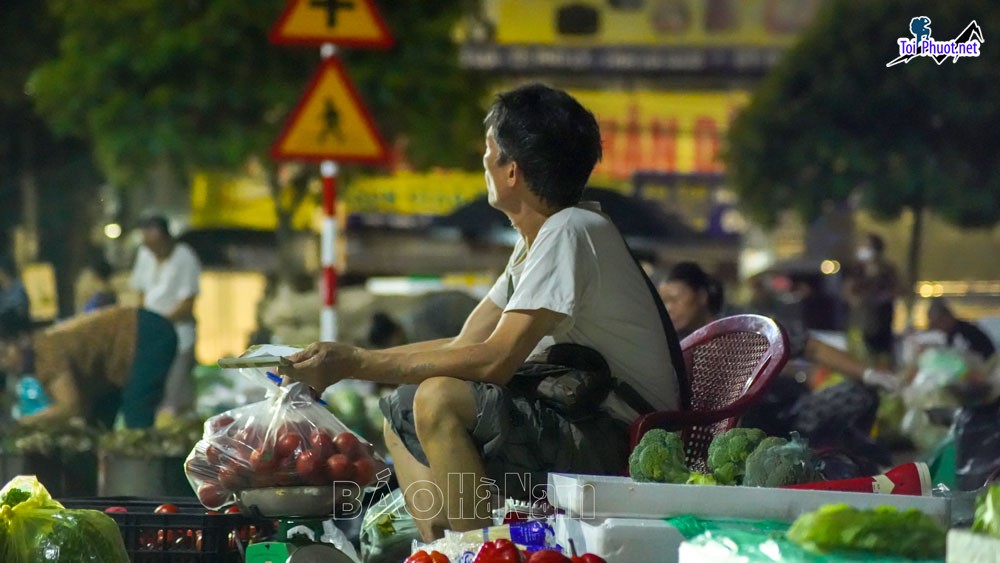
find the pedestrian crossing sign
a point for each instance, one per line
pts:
(330, 123)
(351, 23)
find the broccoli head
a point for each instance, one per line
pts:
(777, 462)
(727, 454)
(659, 457)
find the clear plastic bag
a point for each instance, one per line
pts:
(287, 440)
(387, 530)
(34, 528)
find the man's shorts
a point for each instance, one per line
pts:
(521, 440)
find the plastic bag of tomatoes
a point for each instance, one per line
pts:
(286, 440)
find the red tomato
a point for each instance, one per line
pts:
(212, 495)
(548, 556)
(212, 454)
(339, 468)
(263, 461)
(308, 466)
(424, 557)
(221, 422)
(287, 444)
(321, 440)
(364, 471)
(115, 510)
(498, 551)
(286, 475)
(233, 510)
(165, 509)
(348, 444)
(249, 437)
(231, 479)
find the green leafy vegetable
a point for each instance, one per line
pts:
(987, 519)
(701, 479)
(728, 452)
(659, 457)
(777, 462)
(885, 530)
(78, 535)
(14, 497)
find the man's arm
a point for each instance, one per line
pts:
(494, 360)
(481, 323)
(65, 402)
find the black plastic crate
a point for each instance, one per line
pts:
(192, 535)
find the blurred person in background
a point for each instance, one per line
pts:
(93, 366)
(13, 295)
(95, 289)
(166, 274)
(870, 289)
(961, 335)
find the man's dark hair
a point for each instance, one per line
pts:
(157, 222)
(553, 139)
(691, 275)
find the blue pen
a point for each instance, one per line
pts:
(277, 379)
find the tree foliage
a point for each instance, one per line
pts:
(832, 121)
(197, 84)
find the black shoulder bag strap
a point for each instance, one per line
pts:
(673, 345)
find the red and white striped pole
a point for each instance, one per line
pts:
(328, 239)
(328, 254)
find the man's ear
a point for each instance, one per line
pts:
(514, 173)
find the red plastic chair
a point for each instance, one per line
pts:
(730, 362)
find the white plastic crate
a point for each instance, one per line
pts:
(596, 497)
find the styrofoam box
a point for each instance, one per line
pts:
(597, 497)
(622, 540)
(967, 547)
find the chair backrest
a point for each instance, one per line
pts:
(730, 362)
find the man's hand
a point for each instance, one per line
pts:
(323, 363)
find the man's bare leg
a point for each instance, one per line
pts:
(444, 412)
(423, 498)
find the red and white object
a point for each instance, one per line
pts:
(328, 254)
(913, 478)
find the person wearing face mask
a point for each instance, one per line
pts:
(870, 290)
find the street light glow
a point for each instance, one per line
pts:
(829, 267)
(112, 230)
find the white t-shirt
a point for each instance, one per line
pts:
(165, 284)
(579, 266)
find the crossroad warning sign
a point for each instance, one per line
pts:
(330, 123)
(351, 23)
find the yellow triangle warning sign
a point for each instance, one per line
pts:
(330, 123)
(351, 23)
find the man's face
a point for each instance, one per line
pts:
(496, 174)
